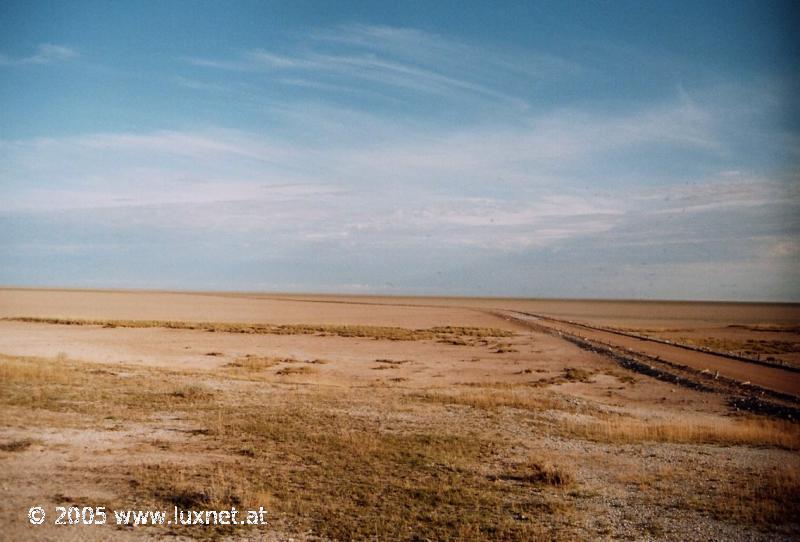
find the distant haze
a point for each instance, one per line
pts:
(557, 149)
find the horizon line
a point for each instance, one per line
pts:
(378, 295)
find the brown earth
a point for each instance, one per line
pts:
(771, 378)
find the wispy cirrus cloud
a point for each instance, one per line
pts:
(46, 53)
(534, 160)
(398, 60)
(439, 52)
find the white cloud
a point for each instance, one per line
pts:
(399, 59)
(46, 53)
(726, 191)
(354, 152)
(445, 53)
(367, 191)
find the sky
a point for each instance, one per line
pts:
(637, 150)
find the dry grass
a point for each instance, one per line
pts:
(16, 370)
(389, 364)
(372, 332)
(215, 487)
(492, 398)
(735, 432)
(348, 480)
(295, 371)
(256, 363)
(539, 473)
(301, 456)
(574, 374)
(569, 374)
(768, 496)
(193, 393)
(503, 348)
(474, 332)
(341, 477)
(16, 445)
(70, 386)
(459, 463)
(746, 346)
(786, 328)
(454, 340)
(771, 498)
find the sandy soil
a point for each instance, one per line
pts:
(350, 361)
(600, 312)
(133, 400)
(229, 308)
(381, 310)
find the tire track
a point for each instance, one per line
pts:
(777, 379)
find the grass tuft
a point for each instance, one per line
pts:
(293, 370)
(539, 473)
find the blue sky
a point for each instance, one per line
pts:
(551, 149)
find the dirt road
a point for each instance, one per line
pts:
(773, 378)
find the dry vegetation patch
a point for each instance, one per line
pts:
(23, 371)
(16, 445)
(539, 473)
(256, 363)
(393, 361)
(781, 328)
(727, 431)
(501, 396)
(301, 454)
(461, 462)
(390, 333)
(192, 392)
(767, 496)
(744, 346)
(384, 364)
(348, 480)
(575, 374)
(292, 370)
(503, 348)
(771, 498)
(64, 386)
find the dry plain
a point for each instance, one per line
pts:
(382, 418)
